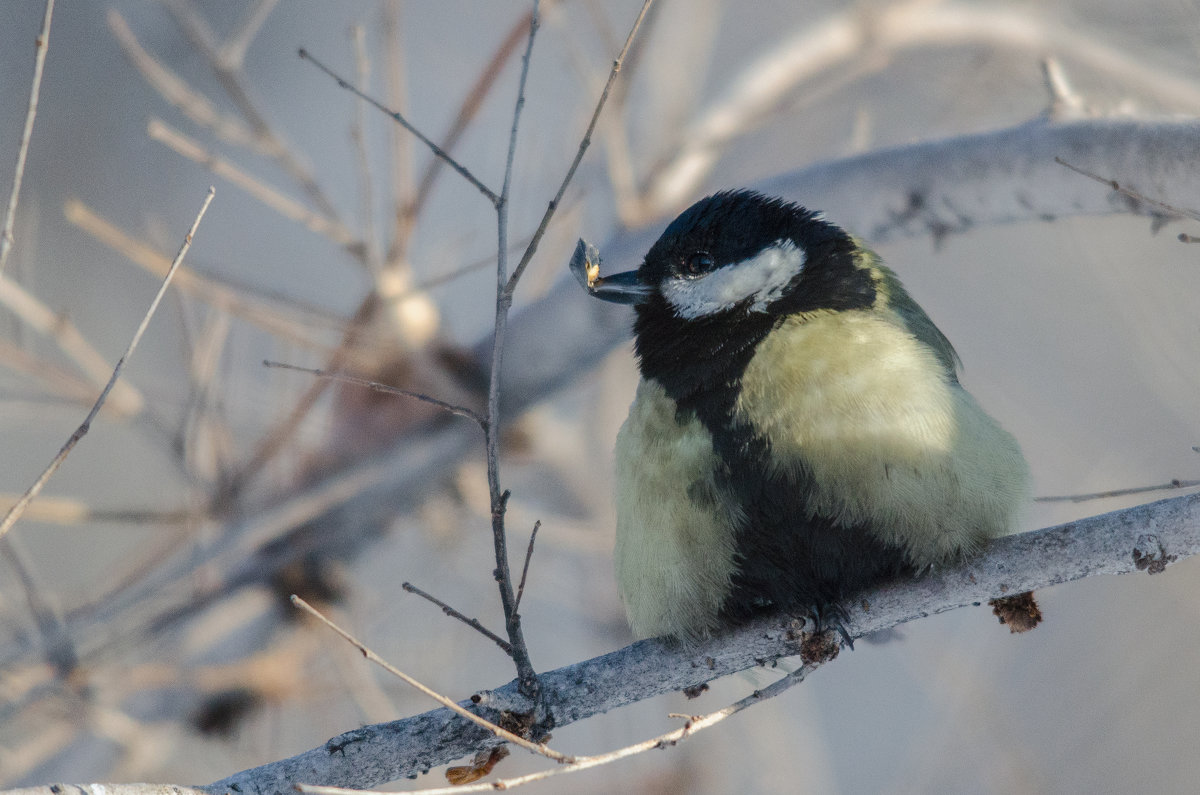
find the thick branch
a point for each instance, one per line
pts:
(1143, 538)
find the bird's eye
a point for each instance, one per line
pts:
(697, 263)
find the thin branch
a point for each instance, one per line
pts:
(400, 146)
(176, 92)
(15, 512)
(1175, 483)
(407, 213)
(57, 645)
(289, 208)
(693, 724)
(502, 733)
(273, 441)
(403, 122)
(473, 623)
(205, 41)
(461, 411)
(1182, 212)
(205, 432)
(358, 134)
(526, 674)
(61, 381)
(233, 51)
(525, 569)
(69, 511)
(280, 315)
(41, 46)
(126, 397)
(511, 286)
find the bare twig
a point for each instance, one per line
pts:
(274, 440)
(403, 122)
(68, 511)
(693, 724)
(504, 734)
(289, 208)
(466, 112)
(1182, 212)
(525, 569)
(62, 381)
(1065, 102)
(206, 437)
(15, 512)
(280, 315)
(233, 51)
(526, 675)
(358, 133)
(511, 285)
(1176, 483)
(505, 287)
(41, 45)
(461, 411)
(400, 143)
(230, 76)
(57, 645)
(126, 398)
(473, 623)
(176, 92)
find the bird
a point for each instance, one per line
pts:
(799, 433)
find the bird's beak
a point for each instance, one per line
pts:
(620, 288)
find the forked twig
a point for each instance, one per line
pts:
(473, 623)
(229, 74)
(505, 287)
(286, 206)
(511, 286)
(18, 508)
(126, 399)
(693, 724)
(403, 122)
(506, 283)
(502, 733)
(42, 44)
(175, 91)
(526, 674)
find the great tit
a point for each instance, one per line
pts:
(799, 432)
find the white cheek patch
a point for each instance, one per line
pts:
(763, 277)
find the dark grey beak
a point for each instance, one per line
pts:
(620, 288)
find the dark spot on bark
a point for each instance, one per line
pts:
(1019, 611)
(819, 647)
(1150, 556)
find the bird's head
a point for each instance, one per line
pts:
(740, 253)
(723, 274)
